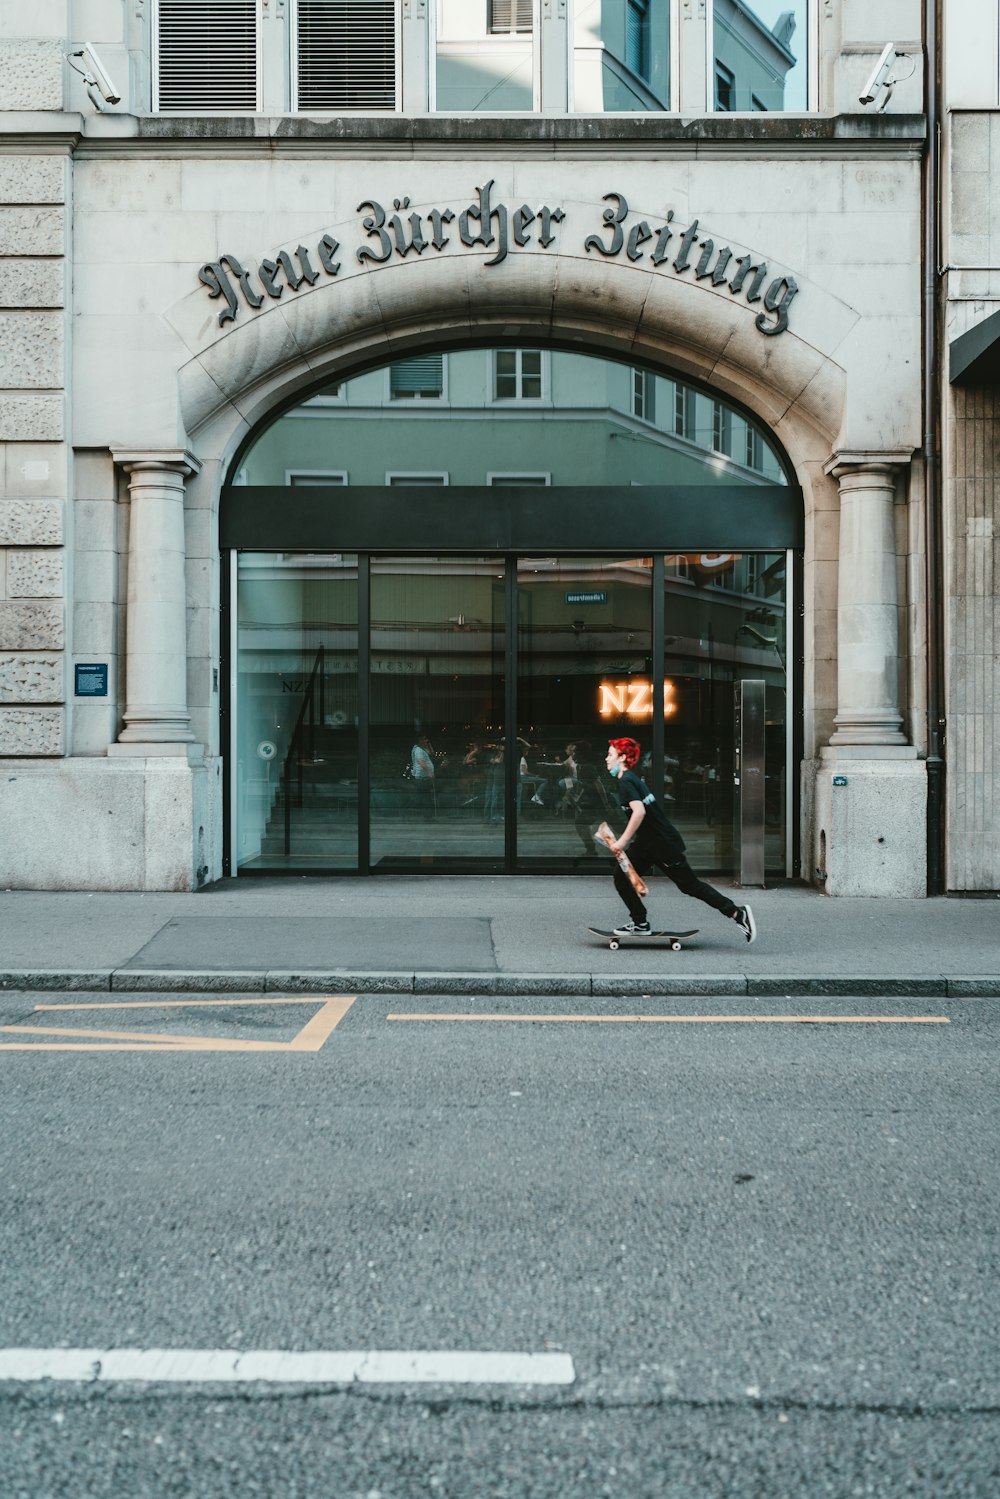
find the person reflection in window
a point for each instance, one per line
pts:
(422, 775)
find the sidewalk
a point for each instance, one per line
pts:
(472, 935)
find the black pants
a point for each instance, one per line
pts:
(678, 870)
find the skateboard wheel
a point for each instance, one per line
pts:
(614, 946)
(675, 946)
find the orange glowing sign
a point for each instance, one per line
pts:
(633, 698)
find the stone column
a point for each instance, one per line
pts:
(870, 835)
(868, 711)
(156, 713)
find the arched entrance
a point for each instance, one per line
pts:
(453, 576)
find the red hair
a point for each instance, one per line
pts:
(628, 749)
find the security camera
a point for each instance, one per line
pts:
(93, 74)
(884, 76)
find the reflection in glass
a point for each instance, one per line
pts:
(761, 55)
(297, 710)
(485, 56)
(724, 620)
(621, 56)
(576, 418)
(437, 693)
(584, 676)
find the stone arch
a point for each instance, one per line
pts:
(239, 375)
(792, 382)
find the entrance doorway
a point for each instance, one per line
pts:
(404, 697)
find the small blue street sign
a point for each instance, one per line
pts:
(92, 680)
(586, 598)
(840, 780)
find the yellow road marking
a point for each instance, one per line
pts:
(702, 1019)
(310, 1038)
(176, 1004)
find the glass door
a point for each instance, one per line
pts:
(296, 741)
(725, 620)
(436, 703)
(585, 655)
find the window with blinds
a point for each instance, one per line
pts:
(417, 379)
(206, 55)
(507, 16)
(637, 37)
(346, 54)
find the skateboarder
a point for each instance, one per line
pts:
(652, 840)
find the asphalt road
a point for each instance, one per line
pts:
(770, 1249)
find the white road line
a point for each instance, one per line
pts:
(277, 1366)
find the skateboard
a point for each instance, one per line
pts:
(674, 939)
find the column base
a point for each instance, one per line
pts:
(870, 821)
(189, 750)
(873, 729)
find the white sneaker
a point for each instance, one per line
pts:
(744, 920)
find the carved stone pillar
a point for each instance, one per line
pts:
(868, 711)
(156, 712)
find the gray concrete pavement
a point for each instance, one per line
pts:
(426, 934)
(770, 1251)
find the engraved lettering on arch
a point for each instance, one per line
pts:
(495, 230)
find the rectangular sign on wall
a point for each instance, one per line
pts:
(92, 680)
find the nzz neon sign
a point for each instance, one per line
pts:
(633, 699)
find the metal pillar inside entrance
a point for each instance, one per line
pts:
(748, 776)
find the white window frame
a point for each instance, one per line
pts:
(812, 61)
(520, 400)
(509, 478)
(306, 478)
(401, 476)
(648, 379)
(293, 67)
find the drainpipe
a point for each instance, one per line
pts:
(932, 458)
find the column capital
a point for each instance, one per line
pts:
(172, 460)
(873, 461)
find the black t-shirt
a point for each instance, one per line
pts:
(656, 827)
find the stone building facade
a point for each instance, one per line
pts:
(173, 278)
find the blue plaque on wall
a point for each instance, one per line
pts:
(92, 680)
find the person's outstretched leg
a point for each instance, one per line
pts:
(686, 880)
(628, 893)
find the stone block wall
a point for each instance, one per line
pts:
(973, 640)
(34, 467)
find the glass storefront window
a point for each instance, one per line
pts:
(725, 620)
(760, 55)
(476, 739)
(296, 744)
(437, 709)
(584, 674)
(576, 418)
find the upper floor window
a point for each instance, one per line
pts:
(486, 56)
(725, 87)
(637, 37)
(345, 55)
(417, 379)
(205, 55)
(644, 395)
(760, 54)
(465, 56)
(509, 15)
(517, 375)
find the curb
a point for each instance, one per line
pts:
(596, 985)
